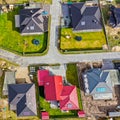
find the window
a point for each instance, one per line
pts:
(83, 23)
(69, 105)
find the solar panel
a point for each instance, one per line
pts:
(101, 89)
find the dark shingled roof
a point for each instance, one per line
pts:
(23, 97)
(97, 77)
(114, 19)
(32, 21)
(83, 17)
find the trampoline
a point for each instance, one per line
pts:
(35, 42)
(44, 13)
(78, 38)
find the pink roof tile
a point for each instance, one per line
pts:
(44, 115)
(81, 114)
(52, 87)
(41, 76)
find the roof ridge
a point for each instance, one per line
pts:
(54, 77)
(37, 23)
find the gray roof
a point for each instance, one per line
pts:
(83, 17)
(9, 79)
(114, 20)
(98, 80)
(23, 97)
(33, 21)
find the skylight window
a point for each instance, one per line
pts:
(100, 89)
(83, 23)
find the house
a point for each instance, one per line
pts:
(56, 92)
(32, 21)
(22, 99)
(44, 115)
(52, 88)
(114, 20)
(69, 98)
(99, 83)
(82, 17)
(9, 79)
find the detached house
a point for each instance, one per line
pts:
(32, 21)
(54, 90)
(82, 17)
(100, 83)
(22, 99)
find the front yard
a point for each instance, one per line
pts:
(11, 39)
(89, 40)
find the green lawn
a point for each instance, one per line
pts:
(90, 40)
(55, 113)
(23, 1)
(72, 77)
(11, 39)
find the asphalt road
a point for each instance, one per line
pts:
(53, 55)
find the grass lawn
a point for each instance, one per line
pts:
(23, 1)
(11, 39)
(55, 113)
(90, 40)
(72, 77)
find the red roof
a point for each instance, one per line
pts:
(41, 75)
(69, 98)
(53, 86)
(44, 115)
(81, 114)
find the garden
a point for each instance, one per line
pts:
(76, 41)
(10, 38)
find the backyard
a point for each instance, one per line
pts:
(89, 40)
(23, 1)
(11, 39)
(55, 113)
